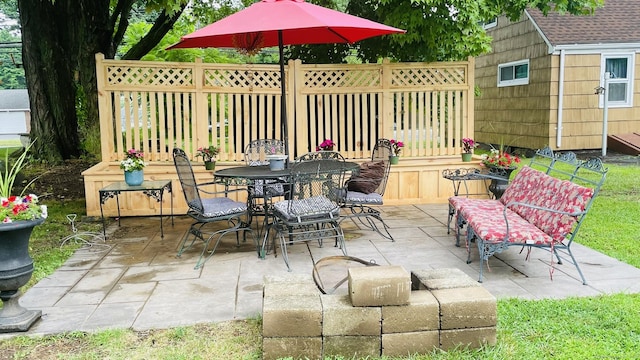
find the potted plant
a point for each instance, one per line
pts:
(467, 149)
(18, 216)
(396, 148)
(326, 145)
(208, 155)
(500, 165)
(133, 165)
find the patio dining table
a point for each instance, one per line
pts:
(249, 175)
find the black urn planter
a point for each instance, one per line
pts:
(16, 268)
(499, 180)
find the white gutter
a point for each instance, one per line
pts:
(560, 100)
(594, 48)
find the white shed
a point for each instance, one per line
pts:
(15, 114)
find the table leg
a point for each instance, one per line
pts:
(170, 190)
(158, 195)
(104, 225)
(104, 195)
(118, 205)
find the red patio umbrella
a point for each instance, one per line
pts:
(283, 22)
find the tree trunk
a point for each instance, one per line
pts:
(60, 39)
(49, 76)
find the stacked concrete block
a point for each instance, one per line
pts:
(446, 309)
(348, 329)
(468, 317)
(379, 285)
(435, 279)
(291, 318)
(412, 328)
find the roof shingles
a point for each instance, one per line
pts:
(616, 22)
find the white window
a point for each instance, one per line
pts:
(620, 69)
(488, 24)
(513, 73)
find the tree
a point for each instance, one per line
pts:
(59, 41)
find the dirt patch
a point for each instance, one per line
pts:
(62, 182)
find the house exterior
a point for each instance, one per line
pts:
(15, 114)
(538, 85)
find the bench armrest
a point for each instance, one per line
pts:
(514, 203)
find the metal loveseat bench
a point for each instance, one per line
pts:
(543, 207)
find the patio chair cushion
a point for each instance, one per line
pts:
(368, 179)
(308, 208)
(215, 207)
(487, 221)
(356, 197)
(538, 189)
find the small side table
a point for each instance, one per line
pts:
(154, 189)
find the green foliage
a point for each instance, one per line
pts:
(612, 221)
(441, 30)
(136, 31)
(9, 172)
(11, 73)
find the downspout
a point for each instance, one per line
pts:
(560, 100)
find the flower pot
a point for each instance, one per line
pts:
(500, 180)
(134, 178)
(466, 157)
(394, 159)
(16, 268)
(276, 162)
(210, 165)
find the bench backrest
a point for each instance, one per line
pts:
(572, 191)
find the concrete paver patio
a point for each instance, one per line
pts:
(137, 281)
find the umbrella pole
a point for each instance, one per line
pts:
(283, 103)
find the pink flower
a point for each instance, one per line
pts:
(327, 144)
(396, 146)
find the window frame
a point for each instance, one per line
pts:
(491, 23)
(630, 56)
(514, 81)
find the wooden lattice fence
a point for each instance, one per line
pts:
(155, 106)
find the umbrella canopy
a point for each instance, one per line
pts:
(283, 22)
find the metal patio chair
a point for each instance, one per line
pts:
(261, 192)
(366, 189)
(206, 208)
(311, 209)
(320, 155)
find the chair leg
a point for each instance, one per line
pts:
(368, 213)
(238, 226)
(573, 260)
(452, 212)
(283, 248)
(194, 230)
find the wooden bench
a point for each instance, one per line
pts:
(543, 207)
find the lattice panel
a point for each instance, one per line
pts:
(321, 79)
(149, 76)
(428, 76)
(242, 79)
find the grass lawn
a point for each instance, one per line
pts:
(599, 327)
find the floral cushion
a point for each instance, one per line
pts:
(570, 198)
(531, 187)
(525, 181)
(488, 224)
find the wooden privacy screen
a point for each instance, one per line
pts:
(154, 106)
